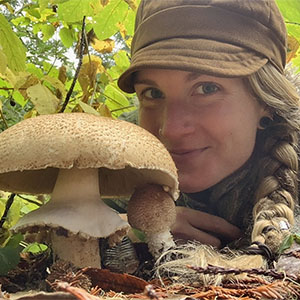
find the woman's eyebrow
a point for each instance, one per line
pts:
(144, 81)
(192, 76)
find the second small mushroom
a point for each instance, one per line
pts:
(76, 158)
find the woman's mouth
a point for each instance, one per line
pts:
(179, 155)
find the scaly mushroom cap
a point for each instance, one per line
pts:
(32, 151)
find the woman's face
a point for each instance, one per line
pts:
(207, 123)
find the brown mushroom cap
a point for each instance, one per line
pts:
(32, 151)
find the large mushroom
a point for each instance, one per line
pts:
(76, 157)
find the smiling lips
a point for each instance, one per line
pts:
(183, 154)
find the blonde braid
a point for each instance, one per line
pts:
(277, 193)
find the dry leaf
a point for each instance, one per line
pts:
(105, 46)
(293, 46)
(107, 280)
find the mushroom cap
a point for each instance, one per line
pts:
(128, 156)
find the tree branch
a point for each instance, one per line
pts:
(82, 43)
(7, 207)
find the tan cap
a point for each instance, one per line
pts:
(227, 38)
(32, 151)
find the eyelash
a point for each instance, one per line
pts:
(208, 84)
(143, 93)
(216, 88)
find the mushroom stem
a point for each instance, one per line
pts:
(77, 218)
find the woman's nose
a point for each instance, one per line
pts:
(177, 122)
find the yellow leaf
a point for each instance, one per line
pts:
(87, 108)
(122, 30)
(24, 80)
(9, 76)
(3, 62)
(91, 66)
(0, 105)
(105, 46)
(104, 110)
(42, 98)
(62, 75)
(293, 46)
(57, 84)
(132, 4)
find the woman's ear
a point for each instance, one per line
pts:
(266, 119)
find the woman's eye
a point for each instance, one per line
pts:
(207, 88)
(152, 93)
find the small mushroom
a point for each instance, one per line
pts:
(76, 157)
(151, 210)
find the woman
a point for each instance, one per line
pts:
(209, 75)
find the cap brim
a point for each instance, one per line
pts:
(193, 55)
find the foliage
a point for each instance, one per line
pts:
(40, 46)
(39, 49)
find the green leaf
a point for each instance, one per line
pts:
(122, 60)
(88, 109)
(35, 248)
(115, 99)
(297, 238)
(43, 4)
(31, 68)
(12, 46)
(290, 9)
(106, 21)
(129, 22)
(67, 37)
(15, 240)
(9, 259)
(286, 244)
(48, 31)
(18, 98)
(3, 62)
(34, 12)
(74, 10)
(10, 254)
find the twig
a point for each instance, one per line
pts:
(30, 201)
(82, 43)
(7, 207)
(3, 118)
(212, 270)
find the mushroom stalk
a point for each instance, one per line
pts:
(73, 215)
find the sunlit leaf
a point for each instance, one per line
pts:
(57, 84)
(48, 31)
(35, 248)
(12, 46)
(92, 65)
(106, 21)
(44, 101)
(67, 37)
(75, 10)
(105, 46)
(3, 62)
(87, 108)
(290, 9)
(19, 98)
(115, 99)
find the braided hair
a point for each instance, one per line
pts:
(277, 192)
